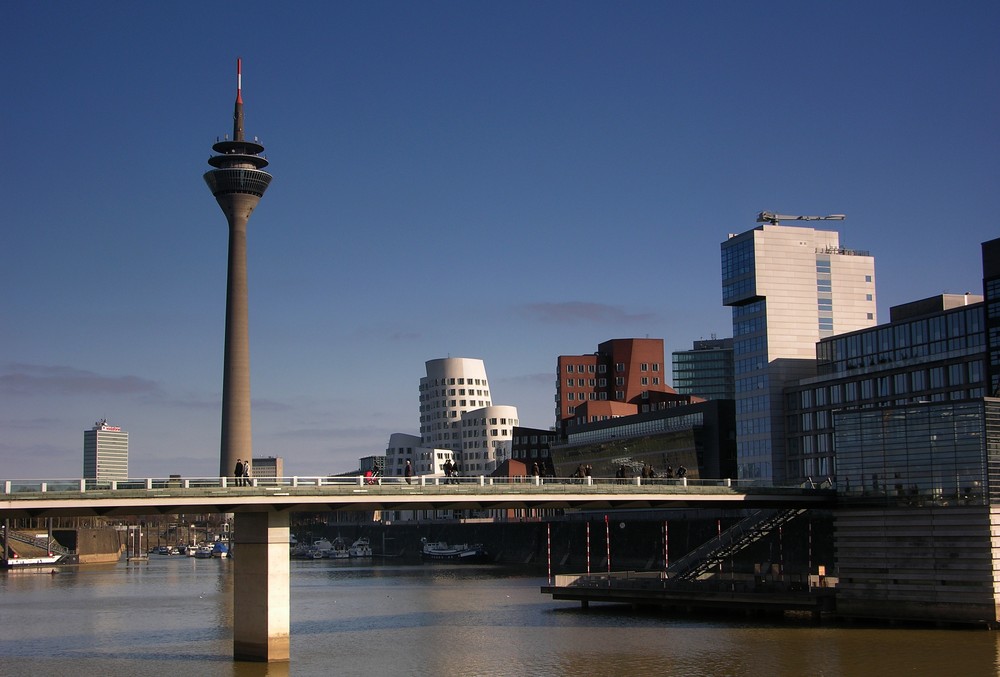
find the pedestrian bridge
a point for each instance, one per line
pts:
(261, 610)
(88, 497)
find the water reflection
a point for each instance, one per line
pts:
(174, 614)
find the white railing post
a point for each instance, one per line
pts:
(637, 481)
(423, 480)
(437, 481)
(684, 481)
(482, 481)
(590, 481)
(187, 484)
(45, 487)
(295, 480)
(729, 482)
(537, 479)
(6, 486)
(222, 482)
(114, 485)
(83, 485)
(149, 483)
(361, 481)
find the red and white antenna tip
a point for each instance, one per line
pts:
(239, 80)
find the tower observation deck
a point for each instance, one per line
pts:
(237, 181)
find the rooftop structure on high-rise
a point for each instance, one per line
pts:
(237, 181)
(788, 286)
(105, 452)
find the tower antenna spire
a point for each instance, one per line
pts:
(238, 112)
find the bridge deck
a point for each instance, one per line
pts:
(37, 498)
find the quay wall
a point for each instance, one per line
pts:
(93, 546)
(920, 563)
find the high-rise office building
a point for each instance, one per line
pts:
(706, 370)
(105, 452)
(237, 182)
(788, 286)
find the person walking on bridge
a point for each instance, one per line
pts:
(238, 472)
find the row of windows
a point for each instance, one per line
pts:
(452, 392)
(453, 381)
(956, 330)
(913, 382)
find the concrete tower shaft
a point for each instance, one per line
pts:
(237, 182)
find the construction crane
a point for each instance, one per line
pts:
(773, 219)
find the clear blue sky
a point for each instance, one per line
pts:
(509, 181)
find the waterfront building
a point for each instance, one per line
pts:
(237, 181)
(788, 288)
(700, 436)
(267, 466)
(622, 370)
(931, 350)
(105, 452)
(706, 370)
(918, 510)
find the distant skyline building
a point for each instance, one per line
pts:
(267, 466)
(105, 452)
(237, 182)
(706, 370)
(789, 287)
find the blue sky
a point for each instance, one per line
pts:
(508, 181)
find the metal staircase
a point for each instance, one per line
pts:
(712, 553)
(49, 545)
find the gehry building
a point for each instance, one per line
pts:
(458, 422)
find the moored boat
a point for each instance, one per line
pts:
(360, 548)
(464, 552)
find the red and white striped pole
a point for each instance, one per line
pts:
(588, 548)
(666, 546)
(607, 532)
(548, 548)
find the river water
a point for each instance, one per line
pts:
(172, 616)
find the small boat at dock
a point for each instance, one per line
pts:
(443, 552)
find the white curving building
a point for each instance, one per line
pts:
(458, 422)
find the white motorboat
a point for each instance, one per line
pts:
(360, 548)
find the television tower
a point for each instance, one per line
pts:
(237, 182)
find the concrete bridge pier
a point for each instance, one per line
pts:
(261, 630)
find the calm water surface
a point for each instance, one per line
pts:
(172, 616)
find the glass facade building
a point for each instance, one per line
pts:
(788, 288)
(706, 371)
(933, 453)
(935, 357)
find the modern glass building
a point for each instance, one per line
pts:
(932, 453)
(991, 294)
(931, 351)
(788, 288)
(105, 452)
(706, 370)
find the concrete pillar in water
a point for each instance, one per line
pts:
(261, 630)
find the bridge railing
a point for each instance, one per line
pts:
(559, 484)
